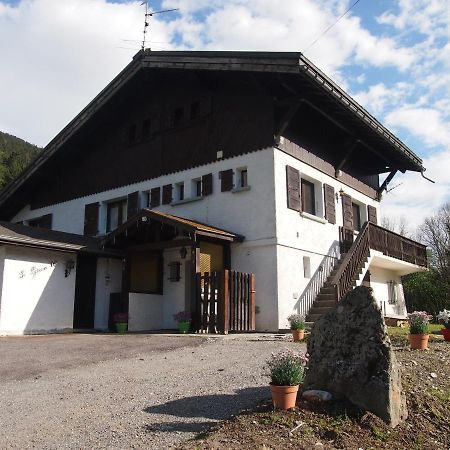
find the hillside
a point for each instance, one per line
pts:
(15, 155)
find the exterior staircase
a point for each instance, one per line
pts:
(327, 297)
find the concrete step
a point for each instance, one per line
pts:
(324, 304)
(321, 296)
(320, 309)
(327, 290)
(313, 317)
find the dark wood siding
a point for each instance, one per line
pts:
(330, 205)
(293, 188)
(226, 180)
(132, 204)
(167, 194)
(91, 219)
(155, 197)
(240, 122)
(372, 214)
(347, 211)
(207, 184)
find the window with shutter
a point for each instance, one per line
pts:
(356, 216)
(116, 214)
(226, 180)
(293, 188)
(167, 194)
(308, 197)
(133, 204)
(207, 184)
(91, 219)
(372, 214)
(330, 205)
(347, 211)
(155, 197)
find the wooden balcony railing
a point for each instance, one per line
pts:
(377, 238)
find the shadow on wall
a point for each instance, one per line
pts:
(318, 279)
(213, 407)
(37, 296)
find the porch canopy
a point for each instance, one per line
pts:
(152, 230)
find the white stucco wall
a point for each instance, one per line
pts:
(109, 280)
(36, 296)
(298, 235)
(145, 312)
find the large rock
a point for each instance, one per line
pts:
(351, 355)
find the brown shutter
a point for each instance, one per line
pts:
(207, 184)
(132, 204)
(226, 180)
(167, 194)
(155, 197)
(46, 221)
(330, 206)
(91, 219)
(347, 211)
(372, 214)
(293, 188)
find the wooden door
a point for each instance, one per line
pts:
(84, 306)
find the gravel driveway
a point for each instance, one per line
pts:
(153, 392)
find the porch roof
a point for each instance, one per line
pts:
(187, 225)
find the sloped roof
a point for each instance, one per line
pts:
(188, 225)
(318, 86)
(17, 234)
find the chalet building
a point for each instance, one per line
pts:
(239, 186)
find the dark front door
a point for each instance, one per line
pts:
(84, 307)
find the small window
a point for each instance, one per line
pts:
(306, 267)
(242, 177)
(308, 197)
(146, 127)
(356, 217)
(195, 110)
(179, 191)
(196, 187)
(177, 116)
(116, 214)
(132, 133)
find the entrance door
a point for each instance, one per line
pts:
(84, 307)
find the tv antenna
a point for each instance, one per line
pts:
(151, 14)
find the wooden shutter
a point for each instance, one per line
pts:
(207, 184)
(91, 219)
(155, 197)
(293, 188)
(167, 194)
(132, 204)
(330, 206)
(347, 211)
(46, 221)
(372, 214)
(226, 180)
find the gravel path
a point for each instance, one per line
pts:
(154, 399)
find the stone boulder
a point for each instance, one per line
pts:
(351, 356)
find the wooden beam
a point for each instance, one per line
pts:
(286, 119)
(159, 245)
(385, 183)
(346, 156)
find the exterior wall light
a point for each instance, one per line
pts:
(70, 265)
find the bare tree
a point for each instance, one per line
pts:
(399, 226)
(435, 233)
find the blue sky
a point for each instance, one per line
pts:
(392, 56)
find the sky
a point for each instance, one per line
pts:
(393, 57)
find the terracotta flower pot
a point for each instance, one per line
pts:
(284, 397)
(419, 341)
(298, 335)
(446, 333)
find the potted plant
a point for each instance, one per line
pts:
(287, 370)
(184, 321)
(121, 321)
(297, 324)
(418, 330)
(444, 317)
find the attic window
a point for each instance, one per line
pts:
(177, 116)
(195, 110)
(146, 126)
(132, 133)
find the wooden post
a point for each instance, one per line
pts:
(252, 302)
(195, 292)
(222, 310)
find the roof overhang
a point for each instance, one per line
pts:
(277, 64)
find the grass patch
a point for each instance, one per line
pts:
(399, 331)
